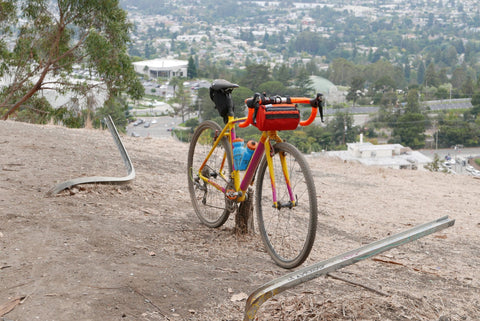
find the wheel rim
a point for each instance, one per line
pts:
(208, 202)
(288, 233)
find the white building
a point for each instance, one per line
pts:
(165, 68)
(388, 155)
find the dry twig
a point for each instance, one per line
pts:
(357, 284)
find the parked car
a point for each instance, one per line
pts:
(147, 124)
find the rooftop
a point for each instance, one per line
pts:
(162, 63)
(400, 157)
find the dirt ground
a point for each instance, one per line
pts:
(138, 252)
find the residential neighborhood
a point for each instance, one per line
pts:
(180, 29)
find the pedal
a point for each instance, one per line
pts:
(231, 193)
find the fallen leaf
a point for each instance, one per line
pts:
(9, 306)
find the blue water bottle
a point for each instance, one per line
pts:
(238, 151)
(247, 154)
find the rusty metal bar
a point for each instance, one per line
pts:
(101, 179)
(272, 288)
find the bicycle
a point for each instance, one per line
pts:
(285, 199)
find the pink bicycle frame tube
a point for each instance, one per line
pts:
(256, 157)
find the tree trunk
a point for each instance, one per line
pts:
(244, 216)
(88, 121)
(29, 94)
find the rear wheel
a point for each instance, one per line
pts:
(209, 203)
(288, 231)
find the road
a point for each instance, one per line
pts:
(159, 129)
(459, 155)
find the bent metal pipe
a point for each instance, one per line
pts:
(101, 179)
(274, 287)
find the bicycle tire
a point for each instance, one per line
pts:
(209, 203)
(287, 233)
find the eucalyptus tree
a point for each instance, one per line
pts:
(182, 99)
(47, 39)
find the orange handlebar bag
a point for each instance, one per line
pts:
(277, 117)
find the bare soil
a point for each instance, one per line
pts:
(138, 252)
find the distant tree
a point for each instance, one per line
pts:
(191, 68)
(459, 46)
(272, 87)
(459, 77)
(410, 128)
(454, 131)
(51, 37)
(283, 74)
(312, 67)
(476, 99)
(238, 96)
(469, 52)
(389, 99)
(449, 56)
(149, 50)
(385, 116)
(356, 87)
(475, 111)
(442, 76)
(303, 83)
(384, 84)
(434, 166)
(255, 75)
(323, 138)
(468, 87)
(310, 42)
(116, 108)
(442, 93)
(420, 73)
(406, 71)
(247, 36)
(341, 128)
(431, 78)
(341, 71)
(413, 105)
(182, 98)
(175, 82)
(205, 105)
(384, 75)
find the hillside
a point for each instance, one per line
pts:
(138, 252)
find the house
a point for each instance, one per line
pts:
(386, 155)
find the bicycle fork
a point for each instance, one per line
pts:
(283, 161)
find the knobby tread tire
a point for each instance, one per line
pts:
(305, 224)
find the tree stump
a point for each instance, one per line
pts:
(244, 216)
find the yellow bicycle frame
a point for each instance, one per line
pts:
(241, 185)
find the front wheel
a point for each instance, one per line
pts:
(287, 230)
(208, 201)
